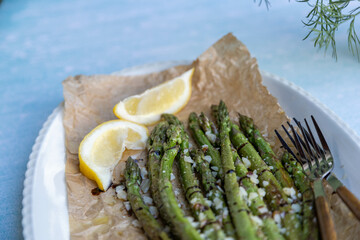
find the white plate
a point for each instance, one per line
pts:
(44, 197)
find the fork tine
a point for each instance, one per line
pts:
(310, 138)
(317, 148)
(289, 135)
(321, 136)
(323, 143)
(301, 141)
(286, 146)
(299, 148)
(309, 150)
(292, 140)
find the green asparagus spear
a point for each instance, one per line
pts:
(155, 151)
(202, 141)
(201, 210)
(214, 194)
(266, 152)
(209, 129)
(152, 227)
(181, 225)
(238, 208)
(254, 197)
(275, 195)
(254, 200)
(309, 226)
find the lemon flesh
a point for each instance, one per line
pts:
(102, 149)
(168, 97)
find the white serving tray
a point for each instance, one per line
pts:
(44, 210)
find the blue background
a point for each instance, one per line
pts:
(43, 42)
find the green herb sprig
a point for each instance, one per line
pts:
(324, 20)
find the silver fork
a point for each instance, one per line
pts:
(317, 163)
(348, 197)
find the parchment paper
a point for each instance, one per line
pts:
(225, 71)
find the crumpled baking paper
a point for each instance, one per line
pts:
(225, 71)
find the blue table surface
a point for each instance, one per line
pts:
(43, 42)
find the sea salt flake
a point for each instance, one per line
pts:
(143, 172)
(246, 162)
(263, 210)
(148, 200)
(214, 168)
(208, 158)
(254, 177)
(153, 210)
(127, 206)
(188, 159)
(220, 189)
(296, 207)
(120, 192)
(256, 220)
(204, 147)
(261, 192)
(290, 192)
(243, 193)
(252, 196)
(210, 136)
(145, 185)
(136, 223)
(218, 203)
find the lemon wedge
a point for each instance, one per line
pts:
(102, 149)
(168, 97)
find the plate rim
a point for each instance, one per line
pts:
(26, 211)
(27, 223)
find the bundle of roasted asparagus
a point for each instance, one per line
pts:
(234, 184)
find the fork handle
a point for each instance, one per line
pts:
(348, 197)
(350, 200)
(326, 223)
